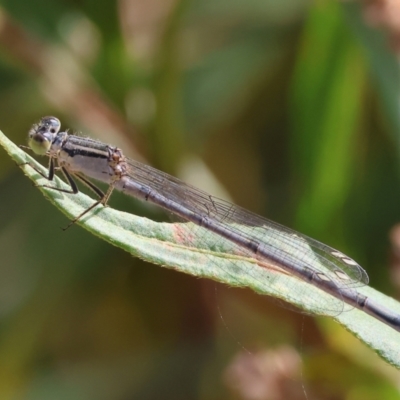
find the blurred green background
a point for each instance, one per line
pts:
(286, 107)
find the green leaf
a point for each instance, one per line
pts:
(176, 246)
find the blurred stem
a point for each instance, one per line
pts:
(169, 132)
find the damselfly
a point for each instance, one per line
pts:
(249, 234)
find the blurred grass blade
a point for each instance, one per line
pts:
(383, 63)
(164, 244)
(326, 108)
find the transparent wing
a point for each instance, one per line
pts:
(284, 244)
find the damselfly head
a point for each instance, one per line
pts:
(41, 135)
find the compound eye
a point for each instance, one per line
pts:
(52, 124)
(42, 134)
